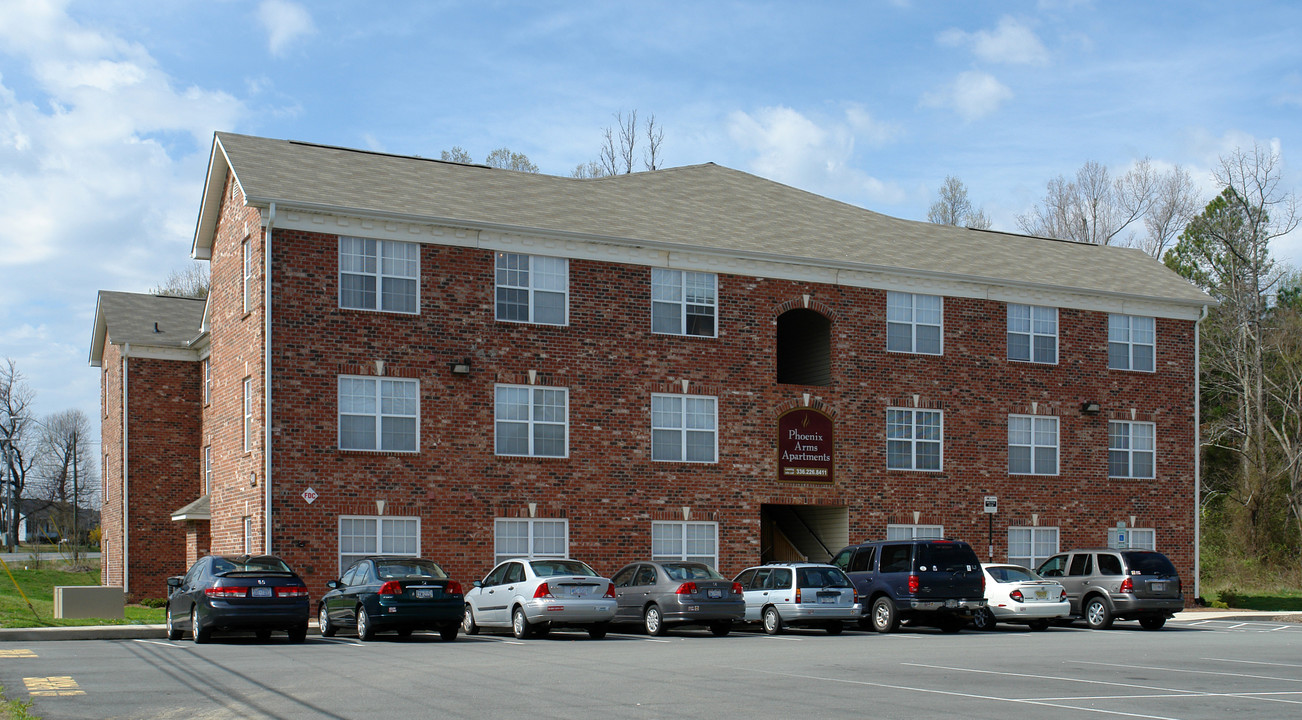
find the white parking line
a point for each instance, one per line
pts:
(1184, 670)
(1253, 662)
(341, 641)
(1030, 676)
(158, 642)
(656, 640)
(1236, 626)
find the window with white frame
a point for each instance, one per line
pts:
(1033, 333)
(914, 439)
(379, 275)
(207, 380)
(248, 535)
(378, 413)
(1032, 445)
(1030, 546)
(248, 414)
(364, 535)
(247, 275)
(684, 428)
(530, 538)
(532, 289)
(915, 532)
(914, 323)
(1131, 343)
(207, 469)
(1130, 449)
(690, 541)
(683, 303)
(1136, 538)
(532, 421)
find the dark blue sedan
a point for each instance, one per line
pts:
(392, 593)
(237, 592)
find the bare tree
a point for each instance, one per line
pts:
(504, 159)
(655, 137)
(1093, 207)
(190, 281)
(952, 207)
(64, 474)
(456, 154)
(619, 147)
(16, 400)
(1175, 202)
(589, 169)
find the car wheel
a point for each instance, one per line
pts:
(323, 620)
(598, 631)
(835, 627)
(772, 621)
(1097, 614)
(721, 628)
(468, 622)
(885, 618)
(263, 635)
(1038, 625)
(449, 632)
(297, 634)
(201, 634)
(983, 619)
(1152, 622)
(520, 624)
(173, 632)
(655, 625)
(364, 629)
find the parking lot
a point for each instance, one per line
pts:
(1192, 669)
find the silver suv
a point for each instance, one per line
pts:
(799, 594)
(1106, 584)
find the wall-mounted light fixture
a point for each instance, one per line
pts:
(1089, 408)
(460, 367)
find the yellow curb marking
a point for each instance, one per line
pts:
(16, 653)
(57, 686)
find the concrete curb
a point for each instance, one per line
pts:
(84, 632)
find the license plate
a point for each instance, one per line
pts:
(577, 592)
(714, 593)
(424, 594)
(261, 592)
(1157, 586)
(829, 599)
(1041, 594)
(951, 603)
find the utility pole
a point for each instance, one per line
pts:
(76, 500)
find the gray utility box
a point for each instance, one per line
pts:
(88, 601)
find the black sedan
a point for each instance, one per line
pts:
(395, 593)
(237, 592)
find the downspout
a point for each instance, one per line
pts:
(1198, 454)
(266, 375)
(126, 555)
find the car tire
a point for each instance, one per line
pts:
(328, 628)
(449, 632)
(365, 631)
(1097, 614)
(201, 634)
(598, 631)
(1152, 622)
(297, 634)
(721, 628)
(173, 632)
(468, 624)
(654, 621)
(1038, 625)
(885, 618)
(835, 628)
(772, 621)
(520, 624)
(983, 619)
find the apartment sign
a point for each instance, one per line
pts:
(805, 446)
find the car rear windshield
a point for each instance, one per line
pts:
(549, 568)
(1148, 563)
(690, 571)
(265, 564)
(389, 569)
(946, 557)
(1011, 573)
(814, 577)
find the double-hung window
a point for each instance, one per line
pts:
(378, 413)
(690, 541)
(1030, 546)
(530, 538)
(1130, 449)
(1033, 333)
(247, 275)
(248, 414)
(1131, 343)
(362, 536)
(532, 289)
(914, 439)
(531, 421)
(684, 303)
(684, 428)
(207, 469)
(915, 532)
(207, 380)
(1032, 445)
(914, 323)
(379, 275)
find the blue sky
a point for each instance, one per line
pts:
(107, 109)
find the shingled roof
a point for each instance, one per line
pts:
(161, 321)
(700, 207)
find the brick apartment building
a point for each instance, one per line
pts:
(413, 356)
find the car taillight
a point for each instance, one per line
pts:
(225, 592)
(453, 588)
(1017, 595)
(737, 589)
(1062, 595)
(687, 588)
(543, 591)
(983, 583)
(610, 591)
(913, 583)
(1126, 586)
(392, 587)
(798, 600)
(291, 592)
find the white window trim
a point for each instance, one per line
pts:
(1151, 533)
(379, 536)
(913, 323)
(248, 535)
(1131, 344)
(207, 380)
(378, 275)
(1035, 560)
(531, 290)
(682, 527)
(379, 415)
(530, 422)
(248, 414)
(1130, 451)
(913, 441)
(1032, 335)
(530, 522)
(682, 303)
(207, 469)
(912, 531)
(247, 274)
(1057, 447)
(682, 429)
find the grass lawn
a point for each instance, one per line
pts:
(38, 585)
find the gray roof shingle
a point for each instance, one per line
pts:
(155, 320)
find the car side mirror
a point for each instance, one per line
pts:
(174, 581)
(478, 583)
(334, 584)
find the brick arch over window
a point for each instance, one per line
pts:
(804, 347)
(808, 303)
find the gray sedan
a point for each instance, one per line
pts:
(659, 594)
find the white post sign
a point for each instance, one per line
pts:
(992, 504)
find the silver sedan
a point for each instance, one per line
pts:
(660, 594)
(533, 596)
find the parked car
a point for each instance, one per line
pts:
(237, 592)
(385, 592)
(1017, 595)
(663, 594)
(937, 582)
(531, 597)
(1106, 584)
(799, 595)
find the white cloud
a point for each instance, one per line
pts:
(1010, 43)
(284, 22)
(972, 95)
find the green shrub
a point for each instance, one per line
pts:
(154, 602)
(1228, 598)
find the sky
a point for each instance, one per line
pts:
(107, 110)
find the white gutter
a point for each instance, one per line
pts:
(126, 531)
(266, 373)
(1198, 454)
